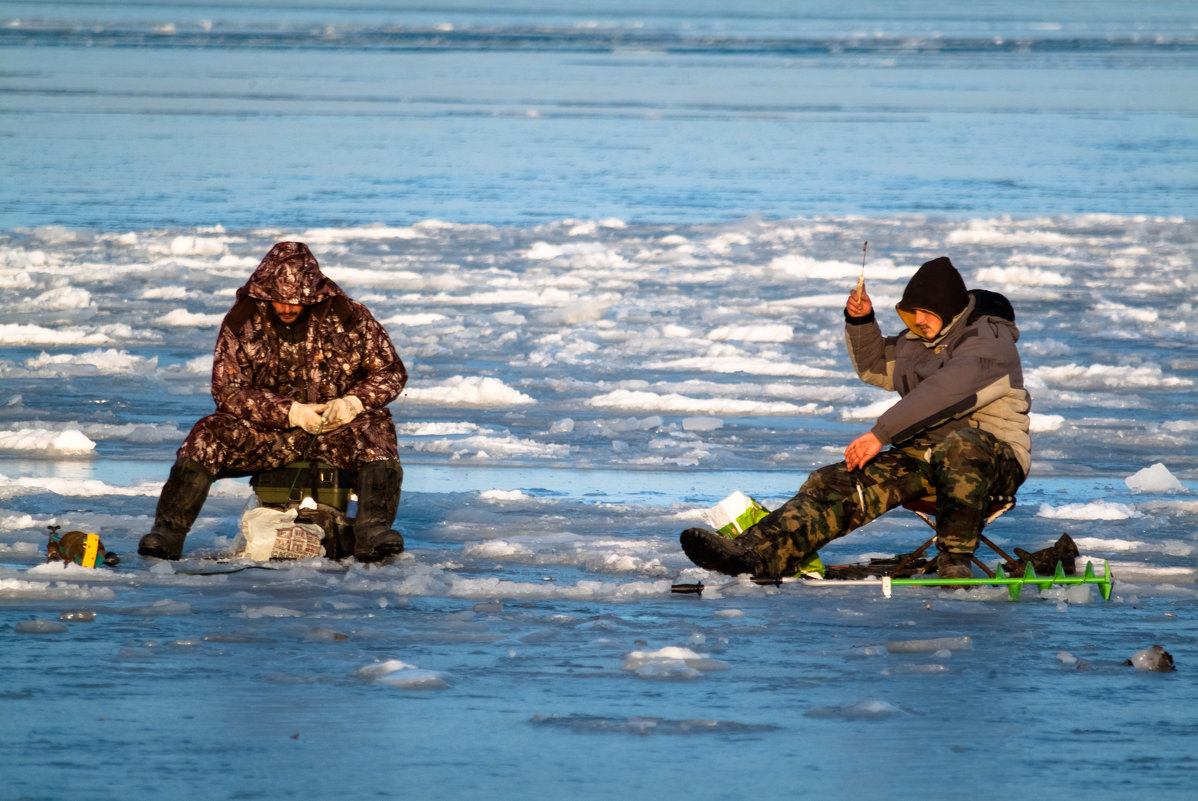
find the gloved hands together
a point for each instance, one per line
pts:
(307, 416)
(340, 411)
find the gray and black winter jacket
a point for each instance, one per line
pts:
(968, 375)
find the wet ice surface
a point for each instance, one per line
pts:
(469, 678)
(579, 393)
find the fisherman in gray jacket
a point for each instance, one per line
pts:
(959, 431)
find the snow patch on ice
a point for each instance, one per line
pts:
(753, 333)
(58, 443)
(197, 246)
(475, 391)
(63, 299)
(53, 590)
(1044, 423)
(182, 318)
(1095, 510)
(1021, 276)
(20, 334)
(992, 232)
(504, 495)
(414, 320)
(327, 236)
(104, 361)
(630, 400)
(78, 488)
(740, 363)
(1107, 376)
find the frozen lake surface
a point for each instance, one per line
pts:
(613, 249)
(580, 393)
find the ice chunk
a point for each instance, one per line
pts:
(930, 646)
(415, 679)
(644, 725)
(40, 627)
(271, 611)
(163, 608)
(377, 669)
(671, 662)
(398, 673)
(1156, 478)
(866, 709)
(912, 669)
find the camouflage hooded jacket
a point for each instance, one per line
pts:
(335, 348)
(968, 375)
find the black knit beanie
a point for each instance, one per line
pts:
(936, 287)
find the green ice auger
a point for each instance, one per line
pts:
(1014, 584)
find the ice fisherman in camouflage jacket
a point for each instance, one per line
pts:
(959, 431)
(298, 365)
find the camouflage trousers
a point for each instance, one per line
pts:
(963, 472)
(229, 445)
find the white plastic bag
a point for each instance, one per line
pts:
(268, 533)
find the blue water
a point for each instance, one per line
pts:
(128, 116)
(674, 156)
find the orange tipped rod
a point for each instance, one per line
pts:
(861, 278)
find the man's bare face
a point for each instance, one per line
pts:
(287, 312)
(929, 325)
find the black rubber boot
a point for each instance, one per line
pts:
(713, 551)
(954, 565)
(378, 500)
(179, 505)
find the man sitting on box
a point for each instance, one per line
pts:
(959, 431)
(300, 370)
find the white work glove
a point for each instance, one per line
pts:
(306, 416)
(340, 411)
